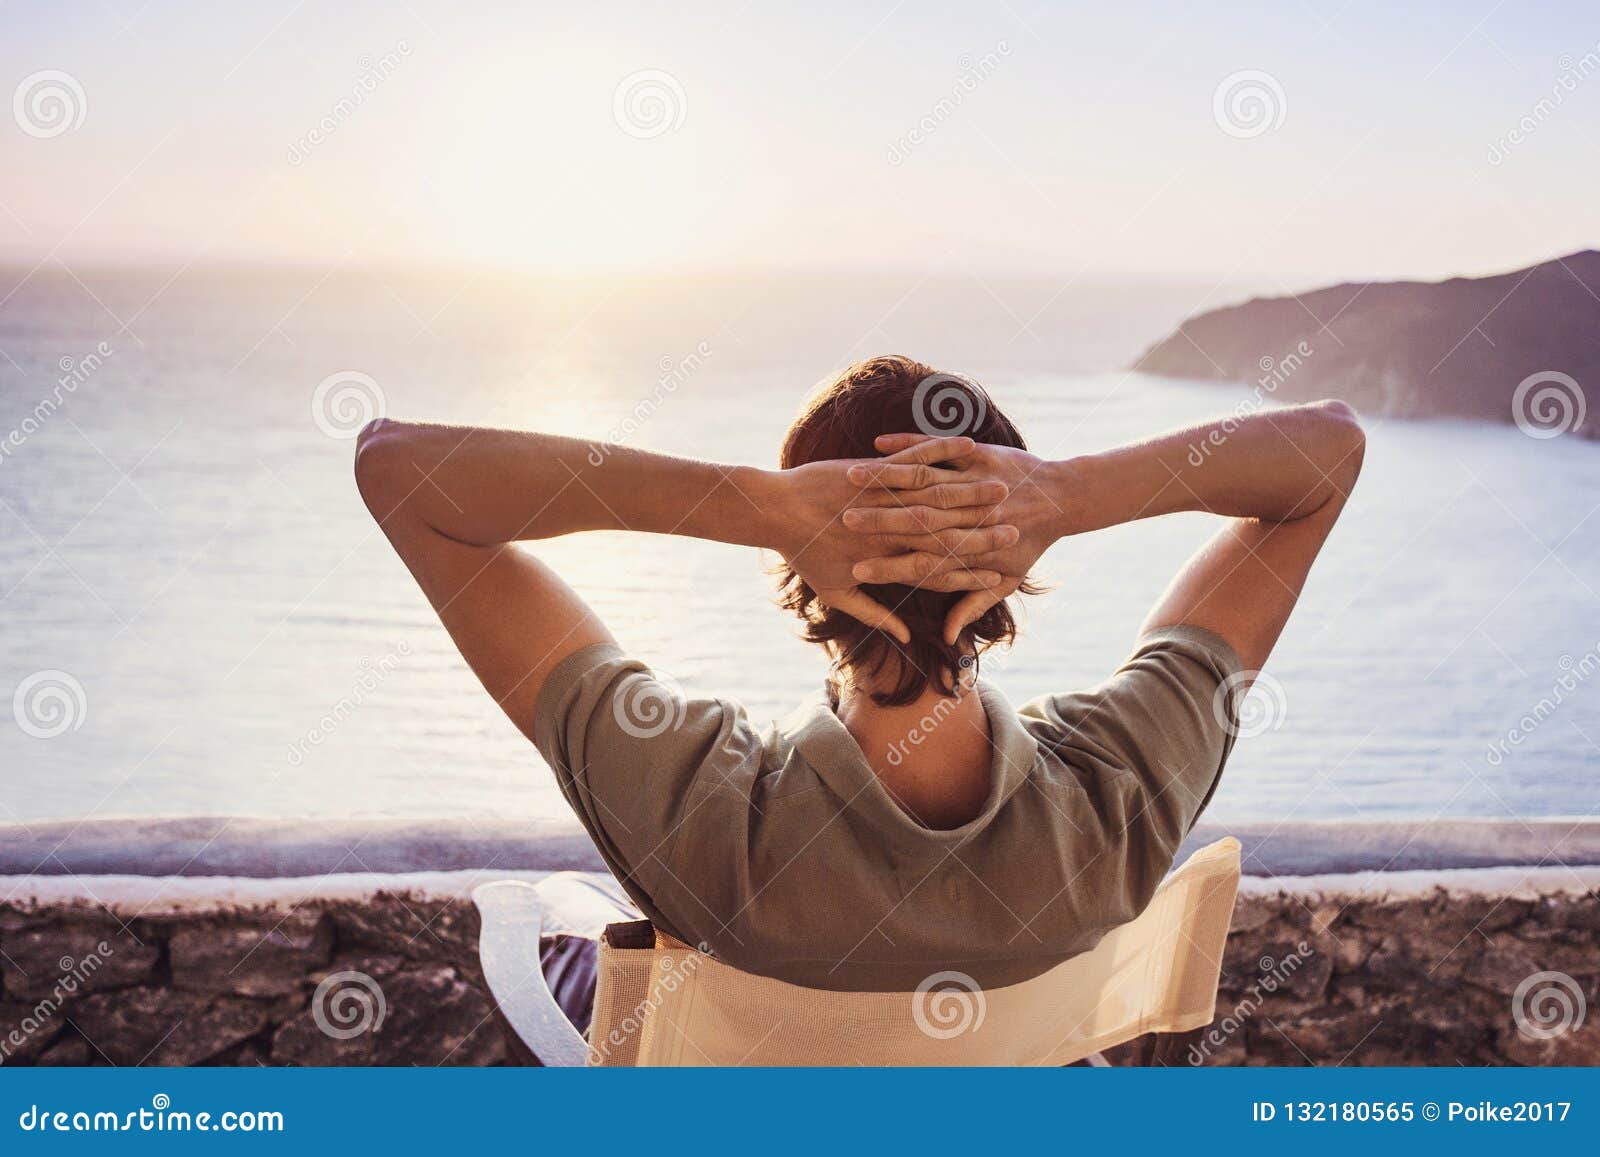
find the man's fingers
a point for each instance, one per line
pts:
(864, 609)
(911, 519)
(946, 490)
(932, 450)
(894, 443)
(962, 540)
(895, 475)
(901, 568)
(964, 580)
(980, 498)
(949, 492)
(954, 495)
(969, 610)
(972, 608)
(913, 569)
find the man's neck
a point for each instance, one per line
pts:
(933, 755)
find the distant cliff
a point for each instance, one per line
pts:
(1521, 346)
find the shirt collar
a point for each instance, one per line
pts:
(827, 746)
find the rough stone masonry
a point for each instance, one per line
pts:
(1336, 971)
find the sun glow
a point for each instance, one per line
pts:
(577, 191)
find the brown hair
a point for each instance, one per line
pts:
(891, 395)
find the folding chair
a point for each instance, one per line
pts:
(659, 1002)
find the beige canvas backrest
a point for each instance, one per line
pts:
(672, 1005)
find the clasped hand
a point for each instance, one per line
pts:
(942, 514)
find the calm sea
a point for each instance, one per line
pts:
(199, 616)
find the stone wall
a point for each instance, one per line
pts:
(84, 985)
(1359, 971)
(1414, 975)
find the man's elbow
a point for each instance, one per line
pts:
(380, 465)
(1346, 442)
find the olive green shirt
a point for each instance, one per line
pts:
(780, 851)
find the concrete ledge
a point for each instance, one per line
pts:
(220, 846)
(134, 896)
(232, 846)
(1308, 847)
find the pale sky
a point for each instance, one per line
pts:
(1007, 135)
